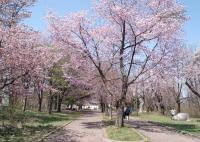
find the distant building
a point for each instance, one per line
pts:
(91, 106)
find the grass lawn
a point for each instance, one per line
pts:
(36, 125)
(192, 126)
(120, 134)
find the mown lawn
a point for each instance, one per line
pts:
(33, 125)
(120, 134)
(192, 126)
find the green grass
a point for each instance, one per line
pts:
(33, 125)
(122, 134)
(192, 126)
(119, 134)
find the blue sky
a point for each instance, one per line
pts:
(39, 11)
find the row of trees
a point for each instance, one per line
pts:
(124, 51)
(31, 66)
(130, 43)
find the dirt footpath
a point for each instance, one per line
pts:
(157, 133)
(85, 129)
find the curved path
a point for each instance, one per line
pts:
(85, 129)
(157, 133)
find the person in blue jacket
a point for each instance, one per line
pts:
(127, 113)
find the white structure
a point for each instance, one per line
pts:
(4, 99)
(181, 117)
(141, 106)
(91, 106)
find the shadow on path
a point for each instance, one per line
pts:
(87, 128)
(92, 125)
(62, 136)
(150, 127)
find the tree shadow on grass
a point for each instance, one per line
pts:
(44, 118)
(192, 128)
(148, 126)
(160, 127)
(39, 128)
(48, 119)
(14, 134)
(34, 124)
(9, 130)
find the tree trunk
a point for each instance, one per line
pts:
(40, 98)
(119, 121)
(55, 102)
(39, 104)
(25, 104)
(178, 106)
(102, 107)
(148, 109)
(110, 112)
(162, 108)
(50, 105)
(120, 109)
(111, 103)
(106, 110)
(71, 106)
(137, 110)
(79, 107)
(60, 98)
(102, 104)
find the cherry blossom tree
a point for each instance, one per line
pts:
(132, 36)
(47, 58)
(176, 70)
(18, 53)
(13, 40)
(11, 13)
(192, 70)
(167, 80)
(14, 11)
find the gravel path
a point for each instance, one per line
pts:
(86, 129)
(158, 133)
